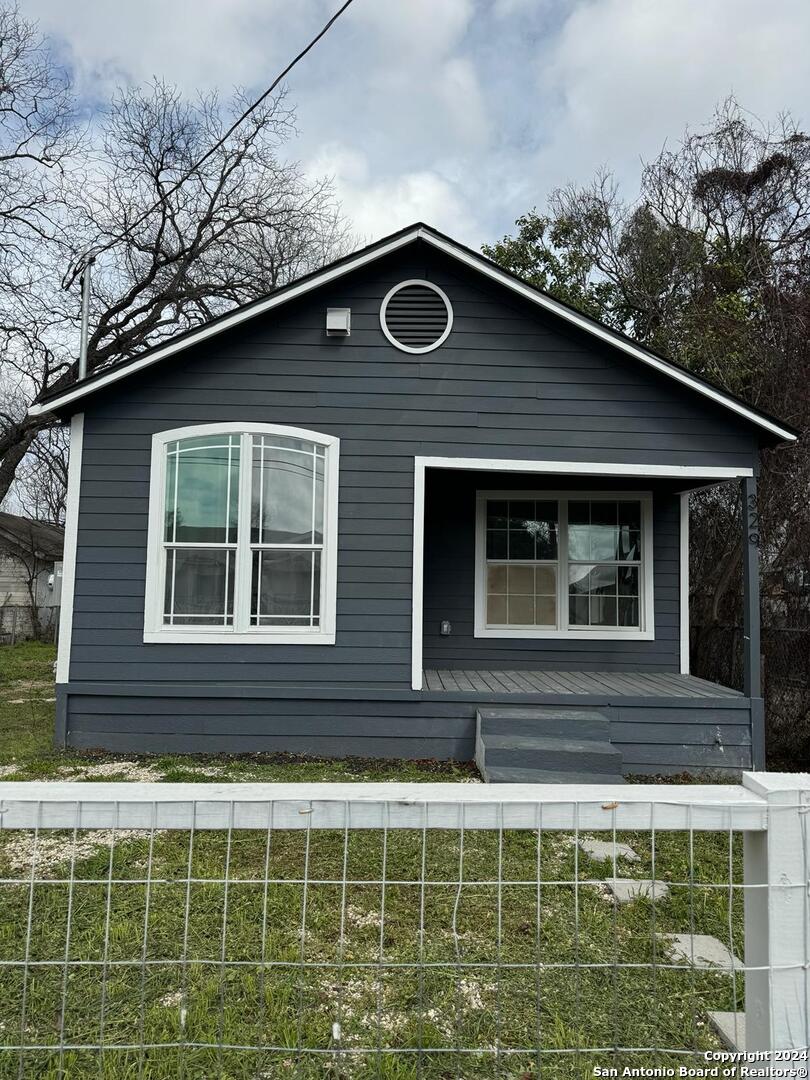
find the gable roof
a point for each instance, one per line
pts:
(26, 537)
(64, 398)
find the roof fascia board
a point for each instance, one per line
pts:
(470, 259)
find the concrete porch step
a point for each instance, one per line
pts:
(500, 774)
(541, 752)
(546, 746)
(587, 723)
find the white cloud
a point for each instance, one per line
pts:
(461, 112)
(379, 205)
(624, 76)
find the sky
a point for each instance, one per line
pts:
(460, 113)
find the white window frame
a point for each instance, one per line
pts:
(562, 631)
(241, 631)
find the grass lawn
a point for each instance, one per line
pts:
(171, 956)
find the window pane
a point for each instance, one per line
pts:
(578, 611)
(579, 578)
(629, 545)
(497, 514)
(545, 580)
(579, 512)
(496, 579)
(496, 610)
(521, 544)
(604, 531)
(199, 587)
(630, 515)
(579, 530)
(545, 611)
(603, 611)
(287, 492)
(286, 588)
(521, 610)
(628, 581)
(496, 543)
(628, 611)
(603, 595)
(521, 529)
(521, 581)
(202, 490)
(533, 527)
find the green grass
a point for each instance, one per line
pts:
(450, 987)
(27, 710)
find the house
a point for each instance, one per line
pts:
(30, 577)
(401, 500)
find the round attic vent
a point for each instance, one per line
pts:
(416, 316)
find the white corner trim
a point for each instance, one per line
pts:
(469, 258)
(71, 544)
(417, 596)
(562, 632)
(683, 583)
(154, 630)
(423, 348)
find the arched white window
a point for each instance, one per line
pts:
(242, 535)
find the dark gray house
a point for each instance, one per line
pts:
(401, 494)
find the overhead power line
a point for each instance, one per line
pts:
(92, 255)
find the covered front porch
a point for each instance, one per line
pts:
(641, 723)
(551, 600)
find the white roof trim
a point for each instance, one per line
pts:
(455, 251)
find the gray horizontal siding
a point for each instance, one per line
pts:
(652, 737)
(509, 382)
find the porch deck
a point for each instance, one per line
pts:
(601, 684)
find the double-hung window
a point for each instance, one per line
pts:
(242, 535)
(564, 565)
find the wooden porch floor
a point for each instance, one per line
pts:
(597, 683)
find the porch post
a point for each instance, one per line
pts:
(751, 643)
(751, 637)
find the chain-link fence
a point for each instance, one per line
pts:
(18, 622)
(717, 654)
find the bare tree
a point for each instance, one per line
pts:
(40, 486)
(39, 140)
(240, 225)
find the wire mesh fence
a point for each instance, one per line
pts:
(438, 933)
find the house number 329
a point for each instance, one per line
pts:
(753, 521)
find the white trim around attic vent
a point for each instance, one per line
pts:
(469, 258)
(384, 310)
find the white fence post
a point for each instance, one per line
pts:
(777, 915)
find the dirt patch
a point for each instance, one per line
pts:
(47, 852)
(107, 770)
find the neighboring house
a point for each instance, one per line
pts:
(403, 492)
(30, 576)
